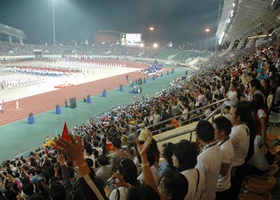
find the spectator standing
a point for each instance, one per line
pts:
(222, 127)
(240, 138)
(184, 159)
(210, 158)
(261, 119)
(232, 96)
(104, 171)
(119, 153)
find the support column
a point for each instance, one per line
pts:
(10, 39)
(240, 45)
(250, 43)
(231, 46)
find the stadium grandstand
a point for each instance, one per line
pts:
(213, 115)
(12, 34)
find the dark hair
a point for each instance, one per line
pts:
(255, 83)
(142, 192)
(36, 197)
(103, 160)
(175, 185)
(95, 143)
(223, 124)
(89, 150)
(154, 149)
(243, 108)
(74, 195)
(117, 143)
(53, 160)
(205, 131)
(9, 194)
(234, 84)
(28, 188)
(150, 155)
(71, 172)
(89, 162)
(46, 174)
(128, 170)
(257, 102)
(227, 107)
(57, 191)
(186, 153)
(168, 152)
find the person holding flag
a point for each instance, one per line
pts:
(71, 146)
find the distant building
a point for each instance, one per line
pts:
(107, 36)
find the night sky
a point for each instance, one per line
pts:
(179, 21)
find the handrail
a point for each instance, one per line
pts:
(191, 112)
(191, 130)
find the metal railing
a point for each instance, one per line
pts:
(190, 131)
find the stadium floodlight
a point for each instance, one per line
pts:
(207, 30)
(151, 29)
(155, 45)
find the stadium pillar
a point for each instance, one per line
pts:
(231, 46)
(240, 45)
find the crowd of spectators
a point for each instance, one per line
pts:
(76, 166)
(106, 49)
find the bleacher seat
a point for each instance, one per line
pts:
(252, 196)
(271, 172)
(260, 186)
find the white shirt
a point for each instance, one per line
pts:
(232, 95)
(209, 161)
(194, 193)
(154, 173)
(240, 139)
(123, 193)
(228, 153)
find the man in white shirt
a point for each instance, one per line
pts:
(210, 158)
(240, 138)
(232, 96)
(222, 127)
(255, 88)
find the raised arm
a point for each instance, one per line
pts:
(148, 176)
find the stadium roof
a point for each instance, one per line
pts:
(8, 30)
(243, 18)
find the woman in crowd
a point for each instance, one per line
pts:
(166, 153)
(125, 178)
(185, 159)
(173, 186)
(261, 119)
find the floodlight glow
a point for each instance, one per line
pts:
(141, 45)
(155, 45)
(207, 30)
(152, 28)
